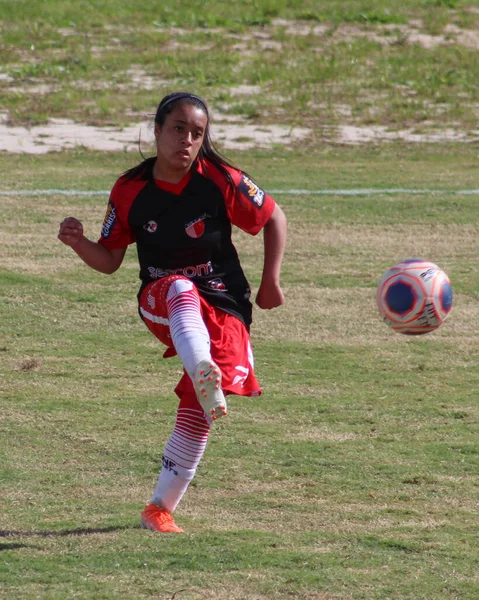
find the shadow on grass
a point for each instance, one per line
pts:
(14, 546)
(64, 533)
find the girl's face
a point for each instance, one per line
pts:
(179, 140)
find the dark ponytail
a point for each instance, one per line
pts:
(142, 171)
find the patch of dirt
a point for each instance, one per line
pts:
(64, 133)
(349, 134)
(59, 134)
(412, 33)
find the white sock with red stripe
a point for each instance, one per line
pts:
(181, 456)
(188, 331)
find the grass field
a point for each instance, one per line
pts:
(313, 63)
(355, 475)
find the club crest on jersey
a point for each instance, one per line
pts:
(109, 220)
(151, 226)
(254, 193)
(196, 228)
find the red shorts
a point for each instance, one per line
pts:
(230, 340)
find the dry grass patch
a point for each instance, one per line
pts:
(346, 317)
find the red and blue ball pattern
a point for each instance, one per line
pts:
(414, 297)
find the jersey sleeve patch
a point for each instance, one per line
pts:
(252, 191)
(109, 221)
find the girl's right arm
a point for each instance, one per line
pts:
(93, 254)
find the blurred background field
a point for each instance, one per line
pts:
(409, 66)
(355, 474)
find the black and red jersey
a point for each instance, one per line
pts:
(186, 229)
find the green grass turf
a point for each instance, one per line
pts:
(354, 476)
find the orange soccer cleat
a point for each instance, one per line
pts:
(158, 519)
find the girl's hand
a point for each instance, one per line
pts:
(269, 296)
(71, 231)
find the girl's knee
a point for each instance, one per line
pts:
(179, 286)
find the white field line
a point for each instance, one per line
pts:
(354, 192)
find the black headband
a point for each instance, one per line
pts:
(181, 96)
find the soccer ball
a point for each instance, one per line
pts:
(414, 297)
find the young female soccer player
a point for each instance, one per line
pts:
(179, 208)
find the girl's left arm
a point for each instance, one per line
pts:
(270, 294)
